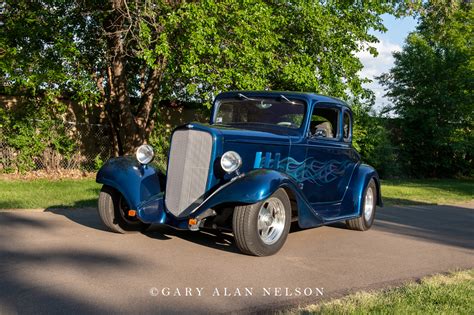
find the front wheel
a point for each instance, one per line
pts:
(261, 228)
(113, 211)
(365, 221)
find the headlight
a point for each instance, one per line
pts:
(145, 154)
(230, 161)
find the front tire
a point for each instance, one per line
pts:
(113, 211)
(261, 229)
(365, 221)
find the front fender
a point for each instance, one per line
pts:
(258, 185)
(135, 182)
(252, 187)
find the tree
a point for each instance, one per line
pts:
(431, 89)
(121, 57)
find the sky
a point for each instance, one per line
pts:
(390, 41)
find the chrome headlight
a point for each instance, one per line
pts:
(145, 154)
(231, 161)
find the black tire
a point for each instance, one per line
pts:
(245, 227)
(362, 223)
(113, 211)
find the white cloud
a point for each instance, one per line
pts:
(375, 66)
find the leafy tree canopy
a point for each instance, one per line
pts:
(120, 57)
(431, 89)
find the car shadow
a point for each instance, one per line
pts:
(205, 237)
(84, 216)
(443, 224)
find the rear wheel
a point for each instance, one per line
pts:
(365, 221)
(113, 211)
(261, 229)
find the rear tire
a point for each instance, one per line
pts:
(113, 211)
(365, 221)
(261, 229)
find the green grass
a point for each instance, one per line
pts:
(42, 193)
(433, 191)
(440, 294)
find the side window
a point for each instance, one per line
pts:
(347, 127)
(325, 122)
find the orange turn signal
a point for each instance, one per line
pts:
(132, 213)
(193, 222)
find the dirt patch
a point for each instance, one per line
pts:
(57, 174)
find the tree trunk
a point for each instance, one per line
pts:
(129, 130)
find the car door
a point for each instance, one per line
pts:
(330, 159)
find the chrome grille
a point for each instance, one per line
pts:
(188, 169)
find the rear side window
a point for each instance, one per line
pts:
(325, 123)
(347, 127)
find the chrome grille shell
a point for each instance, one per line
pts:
(188, 170)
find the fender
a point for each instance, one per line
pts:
(249, 188)
(258, 185)
(354, 194)
(134, 181)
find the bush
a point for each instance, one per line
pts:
(30, 130)
(373, 140)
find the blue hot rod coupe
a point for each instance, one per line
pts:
(265, 159)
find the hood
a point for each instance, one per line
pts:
(257, 147)
(254, 134)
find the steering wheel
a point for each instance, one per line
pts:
(286, 124)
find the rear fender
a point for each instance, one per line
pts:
(355, 192)
(136, 182)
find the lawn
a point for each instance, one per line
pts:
(433, 191)
(42, 193)
(440, 294)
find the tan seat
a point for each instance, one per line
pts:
(324, 130)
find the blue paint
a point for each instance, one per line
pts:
(314, 171)
(258, 160)
(268, 159)
(324, 176)
(135, 181)
(276, 163)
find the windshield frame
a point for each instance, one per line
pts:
(243, 125)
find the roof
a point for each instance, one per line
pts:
(300, 95)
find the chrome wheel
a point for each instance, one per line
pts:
(369, 204)
(271, 220)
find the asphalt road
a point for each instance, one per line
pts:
(62, 261)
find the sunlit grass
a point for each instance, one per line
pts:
(440, 294)
(433, 191)
(42, 193)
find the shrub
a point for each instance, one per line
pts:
(32, 128)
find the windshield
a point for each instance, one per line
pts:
(284, 113)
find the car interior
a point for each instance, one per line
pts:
(324, 122)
